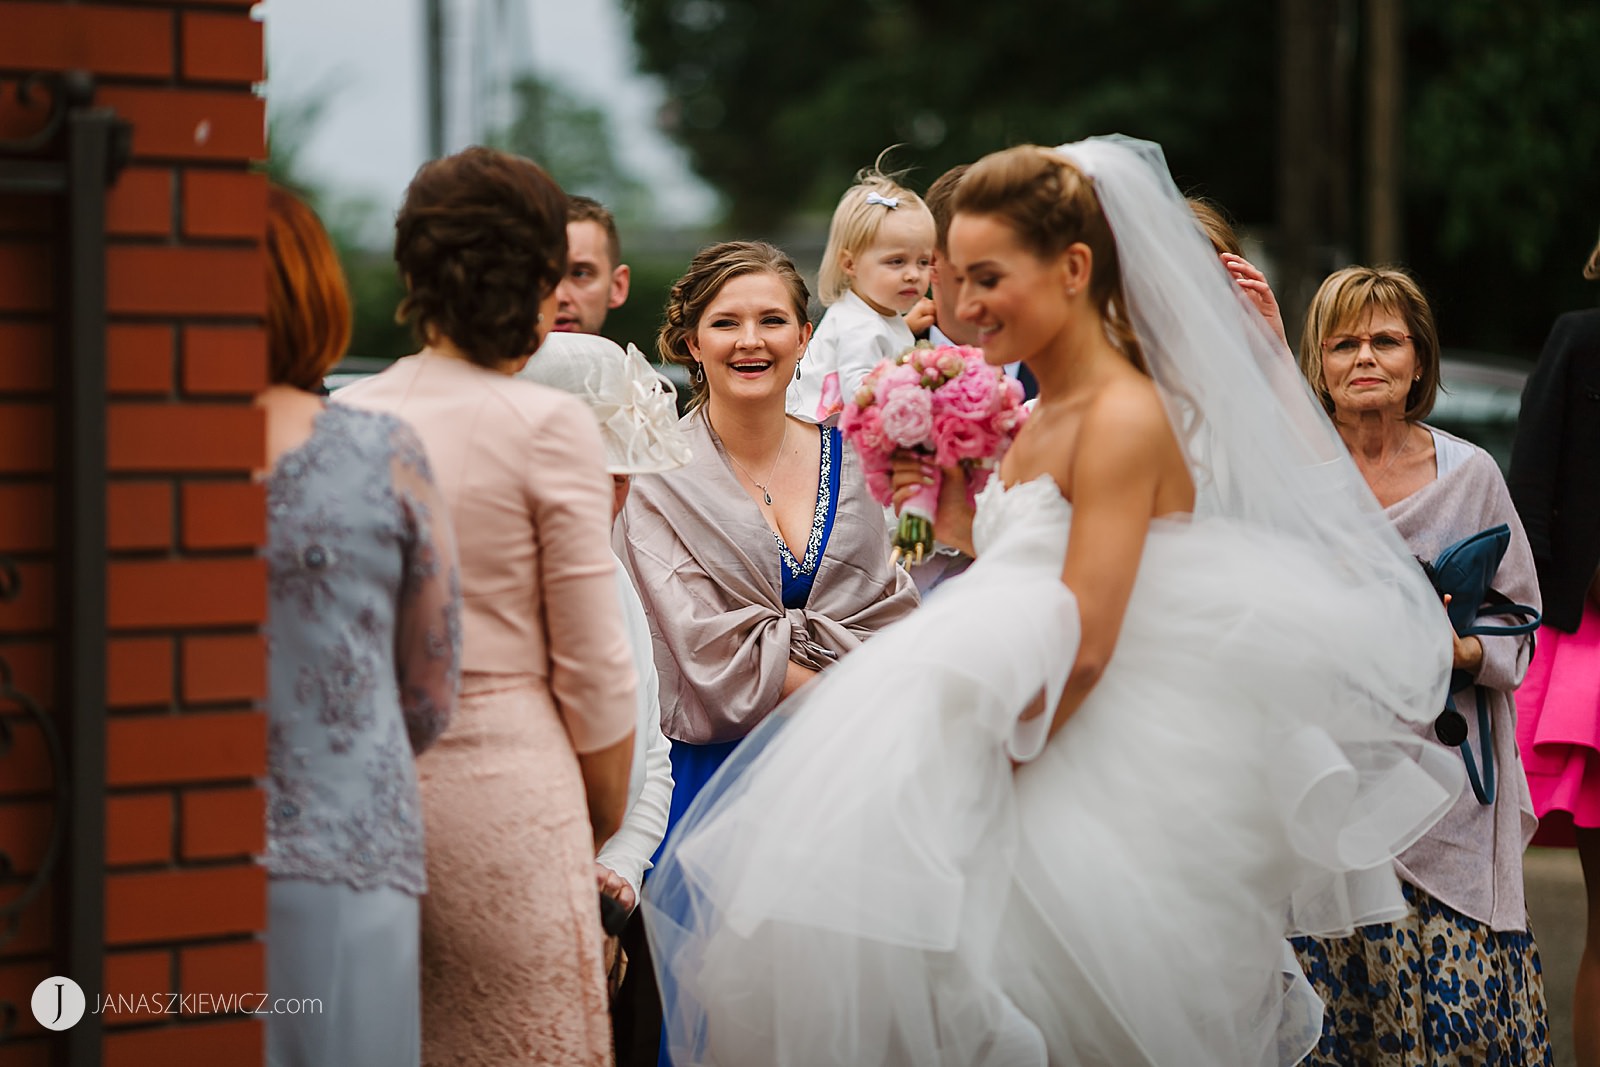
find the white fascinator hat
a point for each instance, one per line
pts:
(636, 407)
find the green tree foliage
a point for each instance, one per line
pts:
(572, 139)
(1503, 163)
(375, 288)
(779, 104)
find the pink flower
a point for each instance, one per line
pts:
(1014, 395)
(957, 437)
(899, 376)
(864, 427)
(975, 394)
(908, 417)
(951, 363)
(880, 484)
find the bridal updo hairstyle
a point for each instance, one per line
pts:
(481, 241)
(712, 268)
(1050, 205)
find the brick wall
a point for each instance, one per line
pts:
(186, 591)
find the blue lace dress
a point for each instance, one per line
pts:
(364, 641)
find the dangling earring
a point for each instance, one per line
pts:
(699, 372)
(797, 370)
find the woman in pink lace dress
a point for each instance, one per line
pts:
(511, 939)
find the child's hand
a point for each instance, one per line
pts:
(921, 316)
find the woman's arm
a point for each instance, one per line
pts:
(1122, 452)
(591, 671)
(427, 634)
(795, 676)
(627, 854)
(1503, 660)
(721, 645)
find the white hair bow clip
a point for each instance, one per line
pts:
(890, 202)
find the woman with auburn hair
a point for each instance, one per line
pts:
(533, 777)
(363, 627)
(1184, 622)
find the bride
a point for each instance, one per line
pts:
(1190, 626)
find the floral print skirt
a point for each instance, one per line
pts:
(1433, 988)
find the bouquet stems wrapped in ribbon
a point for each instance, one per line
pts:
(946, 404)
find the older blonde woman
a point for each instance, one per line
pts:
(1456, 980)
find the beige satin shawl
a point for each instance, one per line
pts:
(707, 569)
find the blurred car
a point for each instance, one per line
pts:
(1480, 396)
(352, 369)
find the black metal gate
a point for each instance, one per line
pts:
(68, 164)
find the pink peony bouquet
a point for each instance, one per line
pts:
(943, 403)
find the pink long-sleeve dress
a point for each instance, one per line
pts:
(511, 940)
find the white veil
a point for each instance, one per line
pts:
(853, 885)
(1263, 451)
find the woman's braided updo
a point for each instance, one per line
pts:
(712, 268)
(481, 241)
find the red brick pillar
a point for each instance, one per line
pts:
(185, 901)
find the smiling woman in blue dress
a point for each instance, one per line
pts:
(765, 559)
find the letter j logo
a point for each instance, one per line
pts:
(58, 1003)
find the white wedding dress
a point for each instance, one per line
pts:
(868, 880)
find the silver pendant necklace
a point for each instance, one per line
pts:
(763, 485)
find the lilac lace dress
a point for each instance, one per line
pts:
(364, 638)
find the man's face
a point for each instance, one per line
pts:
(593, 285)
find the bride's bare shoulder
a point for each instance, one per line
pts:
(1127, 416)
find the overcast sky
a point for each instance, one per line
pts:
(367, 54)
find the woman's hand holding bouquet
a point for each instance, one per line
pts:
(942, 404)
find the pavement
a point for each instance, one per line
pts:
(1556, 911)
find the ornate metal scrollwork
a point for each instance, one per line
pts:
(11, 911)
(63, 91)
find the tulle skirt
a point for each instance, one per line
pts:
(868, 881)
(1219, 789)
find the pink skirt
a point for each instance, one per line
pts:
(512, 971)
(1558, 728)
